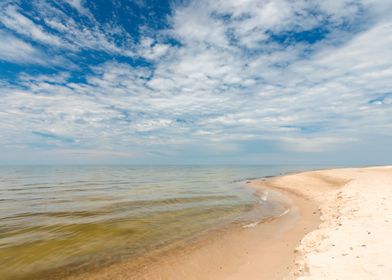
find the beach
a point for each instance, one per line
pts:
(353, 238)
(173, 223)
(337, 227)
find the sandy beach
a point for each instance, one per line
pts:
(353, 240)
(337, 226)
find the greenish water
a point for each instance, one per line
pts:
(68, 218)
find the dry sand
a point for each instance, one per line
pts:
(353, 239)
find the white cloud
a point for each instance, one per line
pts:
(79, 6)
(13, 49)
(215, 89)
(17, 22)
(65, 32)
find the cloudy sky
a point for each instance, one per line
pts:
(223, 81)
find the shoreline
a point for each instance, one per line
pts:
(298, 245)
(229, 253)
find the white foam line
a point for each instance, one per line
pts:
(252, 225)
(284, 213)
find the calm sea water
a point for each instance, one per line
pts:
(73, 217)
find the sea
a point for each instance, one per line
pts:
(59, 220)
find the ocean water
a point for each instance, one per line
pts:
(57, 220)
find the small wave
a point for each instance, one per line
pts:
(252, 225)
(284, 213)
(264, 196)
(247, 179)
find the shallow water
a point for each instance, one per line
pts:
(61, 219)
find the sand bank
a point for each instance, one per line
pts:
(338, 226)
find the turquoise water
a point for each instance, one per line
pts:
(65, 218)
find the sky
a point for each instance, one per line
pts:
(196, 82)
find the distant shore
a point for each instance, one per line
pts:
(336, 227)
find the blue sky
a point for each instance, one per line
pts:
(225, 81)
